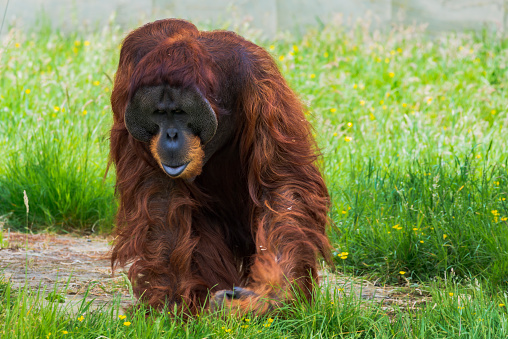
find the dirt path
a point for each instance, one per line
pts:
(82, 262)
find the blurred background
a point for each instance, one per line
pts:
(268, 16)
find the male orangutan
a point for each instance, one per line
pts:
(221, 203)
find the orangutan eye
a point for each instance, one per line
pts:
(178, 111)
(159, 112)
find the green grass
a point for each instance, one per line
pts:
(55, 114)
(454, 311)
(413, 131)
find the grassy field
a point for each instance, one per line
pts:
(414, 135)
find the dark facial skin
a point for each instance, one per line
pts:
(177, 123)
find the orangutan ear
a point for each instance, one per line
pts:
(202, 120)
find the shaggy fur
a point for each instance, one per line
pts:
(256, 215)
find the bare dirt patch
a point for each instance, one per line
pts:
(46, 260)
(80, 263)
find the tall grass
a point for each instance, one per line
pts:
(54, 134)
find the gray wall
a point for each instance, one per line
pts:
(269, 16)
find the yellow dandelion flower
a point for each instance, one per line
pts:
(340, 290)
(312, 76)
(378, 60)
(421, 241)
(272, 47)
(63, 109)
(281, 57)
(392, 52)
(402, 272)
(387, 60)
(387, 94)
(86, 43)
(247, 320)
(81, 318)
(381, 102)
(501, 305)
(17, 45)
(399, 50)
(385, 107)
(415, 228)
(349, 124)
(461, 48)
(85, 112)
(333, 110)
(325, 55)
(504, 218)
(65, 332)
(96, 83)
(362, 102)
(295, 48)
(493, 112)
(106, 89)
(355, 86)
(348, 139)
(27, 91)
(335, 134)
(270, 320)
(445, 236)
(478, 156)
(450, 294)
(74, 50)
(396, 226)
(53, 115)
(429, 101)
(372, 117)
(391, 74)
(404, 105)
(122, 317)
(56, 108)
(77, 43)
(127, 323)
(344, 212)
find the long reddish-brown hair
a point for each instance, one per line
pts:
(256, 216)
